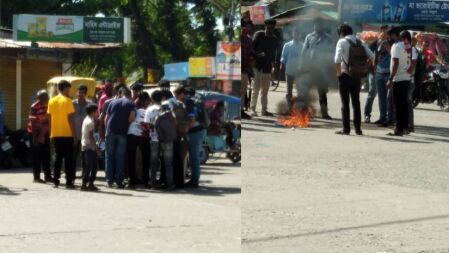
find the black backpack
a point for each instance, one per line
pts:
(166, 126)
(358, 60)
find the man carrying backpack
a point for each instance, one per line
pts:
(352, 63)
(166, 130)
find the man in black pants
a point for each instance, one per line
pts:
(403, 63)
(38, 127)
(61, 111)
(182, 127)
(349, 84)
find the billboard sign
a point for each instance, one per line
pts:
(228, 60)
(176, 71)
(394, 11)
(202, 67)
(71, 29)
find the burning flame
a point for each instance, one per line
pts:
(299, 117)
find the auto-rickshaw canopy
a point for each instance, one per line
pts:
(75, 81)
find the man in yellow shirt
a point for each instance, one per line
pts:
(61, 111)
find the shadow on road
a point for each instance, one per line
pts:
(338, 230)
(430, 130)
(428, 109)
(396, 139)
(11, 192)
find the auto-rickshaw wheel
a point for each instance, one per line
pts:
(235, 155)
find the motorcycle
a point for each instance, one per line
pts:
(17, 146)
(434, 88)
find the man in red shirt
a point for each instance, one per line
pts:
(38, 127)
(107, 94)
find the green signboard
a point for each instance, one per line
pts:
(74, 29)
(103, 30)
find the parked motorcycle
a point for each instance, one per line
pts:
(16, 146)
(434, 88)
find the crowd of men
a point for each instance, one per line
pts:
(165, 127)
(392, 64)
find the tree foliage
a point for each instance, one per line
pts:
(163, 31)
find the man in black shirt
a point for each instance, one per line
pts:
(265, 45)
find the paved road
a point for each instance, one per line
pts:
(310, 190)
(37, 218)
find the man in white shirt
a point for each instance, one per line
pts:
(290, 61)
(151, 115)
(402, 67)
(349, 81)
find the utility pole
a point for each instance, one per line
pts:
(0, 13)
(231, 21)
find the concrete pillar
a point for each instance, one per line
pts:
(18, 94)
(66, 66)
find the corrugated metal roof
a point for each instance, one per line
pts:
(9, 43)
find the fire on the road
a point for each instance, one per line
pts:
(299, 117)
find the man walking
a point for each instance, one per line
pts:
(79, 104)
(247, 57)
(315, 65)
(290, 61)
(351, 61)
(38, 127)
(403, 63)
(120, 113)
(62, 129)
(264, 45)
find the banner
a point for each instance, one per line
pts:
(259, 14)
(71, 29)
(394, 11)
(228, 60)
(202, 67)
(176, 71)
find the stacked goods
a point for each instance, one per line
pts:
(368, 36)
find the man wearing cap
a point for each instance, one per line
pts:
(38, 127)
(265, 45)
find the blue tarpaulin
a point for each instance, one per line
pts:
(394, 11)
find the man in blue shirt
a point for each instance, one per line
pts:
(120, 113)
(290, 62)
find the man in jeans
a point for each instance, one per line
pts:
(120, 113)
(150, 119)
(382, 72)
(290, 61)
(80, 104)
(349, 86)
(265, 45)
(197, 132)
(403, 63)
(372, 85)
(62, 129)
